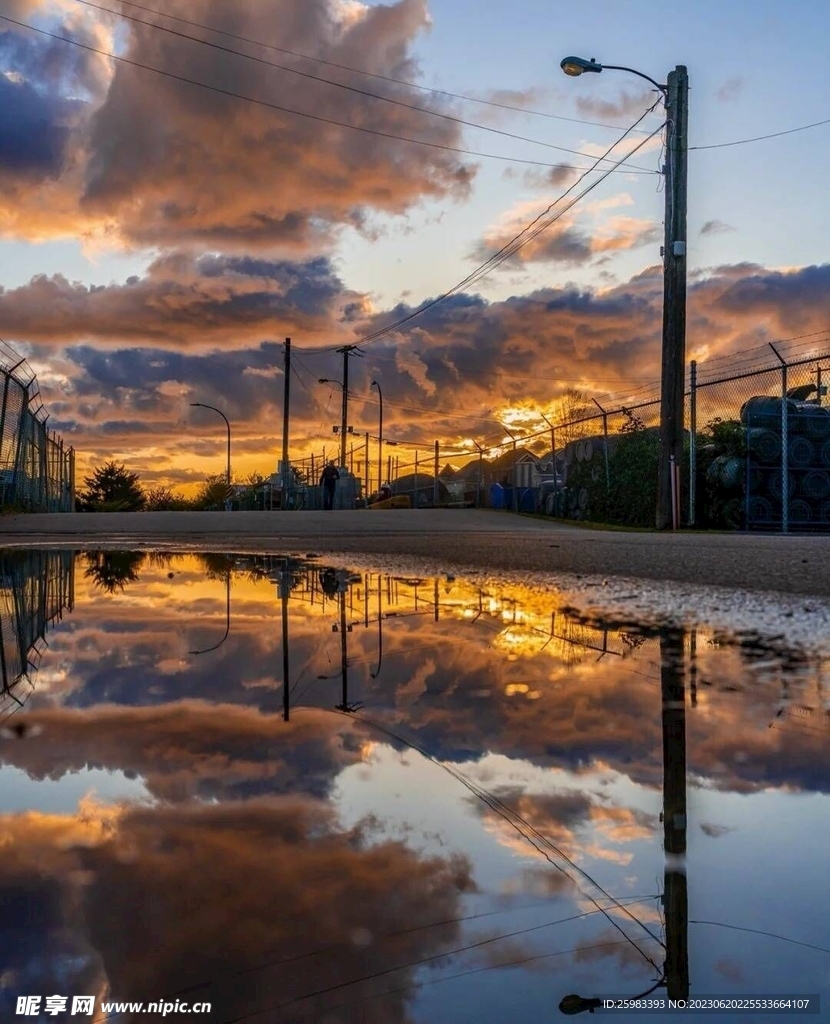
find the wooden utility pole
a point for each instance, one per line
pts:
(286, 473)
(674, 291)
(435, 476)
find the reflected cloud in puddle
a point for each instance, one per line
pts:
(316, 793)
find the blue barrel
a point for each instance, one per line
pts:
(813, 421)
(759, 511)
(815, 484)
(497, 496)
(801, 452)
(801, 511)
(824, 454)
(824, 511)
(774, 484)
(714, 471)
(527, 499)
(765, 411)
(754, 480)
(765, 445)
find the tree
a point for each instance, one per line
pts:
(162, 499)
(112, 488)
(213, 493)
(113, 570)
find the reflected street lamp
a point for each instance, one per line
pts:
(675, 95)
(201, 405)
(216, 646)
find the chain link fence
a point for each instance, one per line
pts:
(756, 454)
(37, 472)
(761, 446)
(35, 588)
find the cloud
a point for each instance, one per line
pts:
(566, 241)
(182, 302)
(212, 171)
(212, 908)
(627, 106)
(730, 90)
(715, 227)
(211, 330)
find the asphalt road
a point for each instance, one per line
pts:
(457, 538)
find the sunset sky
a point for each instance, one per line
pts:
(159, 240)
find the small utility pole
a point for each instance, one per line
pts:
(346, 350)
(435, 477)
(286, 474)
(674, 291)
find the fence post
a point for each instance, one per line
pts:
(605, 443)
(693, 443)
(435, 477)
(785, 459)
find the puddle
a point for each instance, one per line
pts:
(327, 794)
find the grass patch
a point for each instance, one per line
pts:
(585, 524)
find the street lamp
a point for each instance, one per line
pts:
(375, 384)
(344, 416)
(201, 405)
(672, 380)
(574, 1004)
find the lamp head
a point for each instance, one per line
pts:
(572, 1005)
(323, 380)
(575, 66)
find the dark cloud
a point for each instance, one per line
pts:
(715, 227)
(34, 132)
(209, 170)
(217, 897)
(454, 368)
(184, 302)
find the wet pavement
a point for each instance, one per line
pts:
(332, 794)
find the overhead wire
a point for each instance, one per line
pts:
(362, 71)
(340, 85)
(415, 963)
(515, 819)
(230, 93)
(519, 240)
(761, 138)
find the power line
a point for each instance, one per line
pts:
(340, 85)
(361, 71)
(518, 242)
(760, 138)
(275, 106)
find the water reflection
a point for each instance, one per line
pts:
(398, 799)
(35, 590)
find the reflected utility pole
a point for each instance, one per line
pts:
(675, 897)
(376, 673)
(285, 588)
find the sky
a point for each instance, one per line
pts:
(159, 240)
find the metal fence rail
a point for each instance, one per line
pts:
(37, 472)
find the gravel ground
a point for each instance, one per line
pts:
(460, 539)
